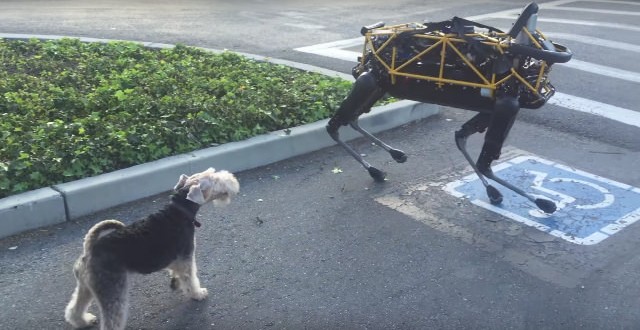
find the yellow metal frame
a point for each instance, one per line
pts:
(443, 43)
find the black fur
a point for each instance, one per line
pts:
(163, 240)
(150, 244)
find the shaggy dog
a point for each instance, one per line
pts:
(163, 240)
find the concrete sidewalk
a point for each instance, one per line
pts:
(68, 201)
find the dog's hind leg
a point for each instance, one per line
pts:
(110, 289)
(76, 311)
(183, 274)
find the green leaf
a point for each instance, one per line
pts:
(36, 176)
(120, 95)
(70, 109)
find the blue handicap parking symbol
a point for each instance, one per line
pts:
(590, 208)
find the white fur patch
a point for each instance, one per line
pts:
(209, 186)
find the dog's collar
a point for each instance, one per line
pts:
(188, 212)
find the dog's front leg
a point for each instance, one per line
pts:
(195, 290)
(184, 275)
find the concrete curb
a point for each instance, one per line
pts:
(72, 200)
(33, 209)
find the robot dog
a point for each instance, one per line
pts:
(450, 63)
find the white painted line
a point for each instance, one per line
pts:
(594, 238)
(620, 185)
(437, 223)
(533, 266)
(591, 10)
(412, 12)
(511, 215)
(341, 54)
(510, 14)
(567, 101)
(524, 158)
(622, 222)
(597, 42)
(500, 166)
(335, 49)
(577, 103)
(453, 192)
(627, 27)
(306, 26)
(345, 43)
(603, 70)
(556, 3)
(597, 234)
(604, 2)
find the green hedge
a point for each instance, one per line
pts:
(70, 109)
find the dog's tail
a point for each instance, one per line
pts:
(94, 233)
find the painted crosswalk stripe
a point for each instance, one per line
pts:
(609, 111)
(343, 50)
(592, 10)
(604, 70)
(335, 49)
(626, 116)
(562, 2)
(594, 42)
(618, 26)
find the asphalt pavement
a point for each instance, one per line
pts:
(312, 242)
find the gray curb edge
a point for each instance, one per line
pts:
(68, 201)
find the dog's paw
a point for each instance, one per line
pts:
(174, 283)
(200, 294)
(90, 319)
(86, 320)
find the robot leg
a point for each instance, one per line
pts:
(506, 109)
(364, 94)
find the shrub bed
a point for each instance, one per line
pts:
(70, 110)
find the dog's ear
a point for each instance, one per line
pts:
(181, 182)
(199, 193)
(195, 194)
(227, 186)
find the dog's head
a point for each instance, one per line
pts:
(209, 186)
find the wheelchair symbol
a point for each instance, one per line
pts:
(591, 208)
(563, 200)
